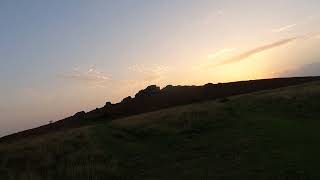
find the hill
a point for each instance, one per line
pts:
(271, 134)
(153, 98)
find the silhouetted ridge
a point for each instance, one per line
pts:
(153, 98)
(149, 91)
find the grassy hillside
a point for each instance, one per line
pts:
(265, 135)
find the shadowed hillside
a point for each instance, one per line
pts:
(264, 135)
(153, 98)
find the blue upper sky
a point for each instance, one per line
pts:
(58, 57)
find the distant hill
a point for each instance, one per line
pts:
(153, 98)
(271, 134)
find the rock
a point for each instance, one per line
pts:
(80, 114)
(168, 88)
(127, 99)
(149, 91)
(108, 105)
(208, 85)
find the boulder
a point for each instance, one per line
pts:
(127, 99)
(80, 115)
(149, 91)
(168, 88)
(108, 105)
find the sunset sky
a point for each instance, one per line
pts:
(63, 56)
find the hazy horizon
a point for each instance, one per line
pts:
(61, 57)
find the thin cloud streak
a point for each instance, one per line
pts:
(92, 75)
(254, 51)
(284, 28)
(211, 17)
(220, 53)
(149, 74)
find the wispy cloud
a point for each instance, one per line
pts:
(254, 51)
(91, 75)
(284, 28)
(211, 17)
(308, 69)
(220, 53)
(312, 36)
(150, 73)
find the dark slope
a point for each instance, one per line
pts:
(267, 135)
(152, 98)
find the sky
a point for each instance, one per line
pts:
(60, 57)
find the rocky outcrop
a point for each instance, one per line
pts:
(126, 100)
(167, 88)
(149, 91)
(80, 115)
(152, 98)
(108, 105)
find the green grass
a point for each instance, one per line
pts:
(265, 135)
